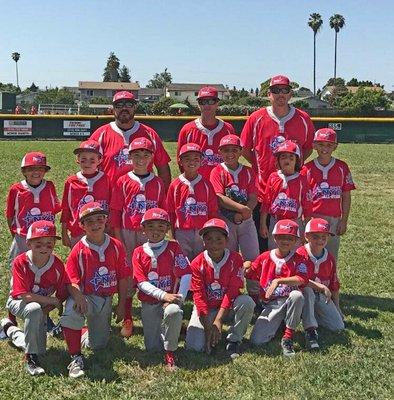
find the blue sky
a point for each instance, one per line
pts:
(239, 43)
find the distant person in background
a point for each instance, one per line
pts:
(266, 129)
(18, 109)
(114, 139)
(33, 110)
(206, 131)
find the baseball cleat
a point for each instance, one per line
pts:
(33, 366)
(233, 349)
(287, 347)
(76, 367)
(5, 323)
(311, 340)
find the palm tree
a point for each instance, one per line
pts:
(16, 56)
(315, 22)
(337, 22)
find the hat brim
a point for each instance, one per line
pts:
(39, 237)
(87, 150)
(47, 167)
(142, 148)
(156, 219)
(288, 234)
(203, 231)
(191, 151)
(98, 212)
(326, 141)
(330, 233)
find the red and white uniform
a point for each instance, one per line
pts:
(287, 197)
(26, 204)
(191, 203)
(322, 270)
(80, 190)
(216, 285)
(114, 145)
(97, 269)
(241, 182)
(268, 267)
(44, 281)
(327, 184)
(132, 196)
(263, 132)
(208, 140)
(161, 267)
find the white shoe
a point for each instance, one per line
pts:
(5, 323)
(76, 367)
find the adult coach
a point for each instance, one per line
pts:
(266, 128)
(206, 131)
(115, 137)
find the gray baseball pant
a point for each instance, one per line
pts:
(239, 318)
(35, 329)
(161, 326)
(286, 309)
(131, 240)
(333, 241)
(98, 319)
(190, 241)
(317, 312)
(18, 246)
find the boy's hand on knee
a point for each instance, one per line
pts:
(327, 293)
(342, 228)
(216, 333)
(263, 231)
(81, 305)
(269, 292)
(173, 298)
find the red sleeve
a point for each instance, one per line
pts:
(247, 134)
(267, 199)
(161, 156)
(181, 142)
(10, 208)
(117, 195)
(212, 202)
(308, 145)
(138, 270)
(306, 197)
(57, 205)
(230, 127)
(334, 280)
(348, 183)
(72, 267)
(61, 288)
(66, 212)
(171, 204)
(216, 180)
(198, 289)
(162, 201)
(252, 186)
(20, 285)
(254, 272)
(182, 264)
(301, 271)
(124, 270)
(235, 283)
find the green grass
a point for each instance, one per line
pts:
(357, 364)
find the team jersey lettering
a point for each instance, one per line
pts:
(103, 278)
(140, 204)
(193, 208)
(35, 215)
(210, 158)
(122, 157)
(284, 203)
(215, 291)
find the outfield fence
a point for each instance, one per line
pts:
(79, 127)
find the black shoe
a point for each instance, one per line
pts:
(287, 347)
(233, 349)
(33, 367)
(311, 340)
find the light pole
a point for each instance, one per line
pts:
(16, 56)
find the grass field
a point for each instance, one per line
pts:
(357, 364)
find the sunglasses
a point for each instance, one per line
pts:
(277, 90)
(209, 102)
(124, 104)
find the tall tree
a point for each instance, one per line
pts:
(160, 80)
(315, 22)
(111, 70)
(124, 74)
(337, 22)
(16, 56)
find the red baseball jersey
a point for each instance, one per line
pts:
(132, 196)
(160, 266)
(26, 204)
(263, 132)
(114, 143)
(44, 281)
(97, 269)
(216, 285)
(322, 270)
(268, 266)
(327, 184)
(208, 140)
(191, 203)
(287, 197)
(79, 190)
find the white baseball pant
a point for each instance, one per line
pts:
(190, 241)
(18, 246)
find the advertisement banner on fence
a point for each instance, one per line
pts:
(76, 128)
(16, 127)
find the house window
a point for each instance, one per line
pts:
(196, 94)
(89, 92)
(177, 93)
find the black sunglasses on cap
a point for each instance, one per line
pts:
(277, 89)
(125, 104)
(210, 102)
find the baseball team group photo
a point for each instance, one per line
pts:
(245, 258)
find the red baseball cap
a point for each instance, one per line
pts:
(35, 159)
(317, 225)
(156, 214)
(325, 135)
(189, 147)
(286, 227)
(208, 92)
(90, 146)
(91, 208)
(288, 146)
(228, 140)
(280, 80)
(41, 229)
(123, 95)
(141, 143)
(214, 223)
